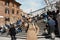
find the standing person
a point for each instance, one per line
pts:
(12, 32)
(32, 31)
(56, 26)
(51, 24)
(26, 25)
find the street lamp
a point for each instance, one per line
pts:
(48, 4)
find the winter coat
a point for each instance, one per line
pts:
(12, 31)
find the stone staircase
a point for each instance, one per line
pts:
(22, 35)
(41, 25)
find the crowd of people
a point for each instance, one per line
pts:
(50, 19)
(30, 26)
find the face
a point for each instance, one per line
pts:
(25, 24)
(22, 20)
(30, 20)
(14, 25)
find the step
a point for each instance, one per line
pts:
(37, 36)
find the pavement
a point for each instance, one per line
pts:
(6, 38)
(22, 36)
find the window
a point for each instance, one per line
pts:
(17, 12)
(13, 3)
(17, 6)
(7, 19)
(7, 2)
(7, 11)
(12, 11)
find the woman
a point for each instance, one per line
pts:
(32, 31)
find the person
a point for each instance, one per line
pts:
(55, 16)
(0, 29)
(26, 26)
(46, 30)
(51, 24)
(32, 30)
(56, 26)
(12, 32)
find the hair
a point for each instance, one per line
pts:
(57, 11)
(27, 28)
(12, 25)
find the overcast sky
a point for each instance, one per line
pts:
(28, 5)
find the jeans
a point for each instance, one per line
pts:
(13, 37)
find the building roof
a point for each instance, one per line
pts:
(14, 2)
(17, 3)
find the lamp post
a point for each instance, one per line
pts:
(48, 4)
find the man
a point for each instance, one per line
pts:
(51, 24)
(12, 32)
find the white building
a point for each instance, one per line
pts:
(50, 5)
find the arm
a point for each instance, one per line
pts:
(37, 29)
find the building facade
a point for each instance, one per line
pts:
(58, 5)
(10, 11)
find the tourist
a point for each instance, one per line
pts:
(32, 31)
(12, 32)
(51, 24)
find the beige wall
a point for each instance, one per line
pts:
(2, 21)
(13, 17)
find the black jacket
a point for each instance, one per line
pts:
(12, 31)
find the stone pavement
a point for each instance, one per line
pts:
(22, 36)
(6, 38)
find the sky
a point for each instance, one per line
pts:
(31, 5)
